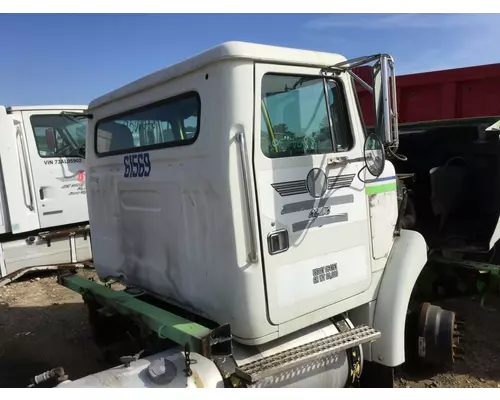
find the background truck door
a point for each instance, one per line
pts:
(313, 214)
(17, 178)
(58, 173)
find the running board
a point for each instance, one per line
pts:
(268, 366)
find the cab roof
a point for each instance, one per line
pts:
(43, 108)
(225, 51)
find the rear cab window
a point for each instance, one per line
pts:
(171, 122)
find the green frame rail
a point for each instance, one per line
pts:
(167, 325)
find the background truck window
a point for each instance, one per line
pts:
(57, 135)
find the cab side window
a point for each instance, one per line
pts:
(295, 120)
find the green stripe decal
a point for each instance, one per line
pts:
(380, 188)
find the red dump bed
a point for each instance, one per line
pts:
(441, 95)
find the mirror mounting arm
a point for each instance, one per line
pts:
(384, 81)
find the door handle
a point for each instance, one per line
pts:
(278, 242)
(41, 194)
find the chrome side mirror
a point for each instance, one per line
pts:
(383, 91)
(381, 102)
(374, 155)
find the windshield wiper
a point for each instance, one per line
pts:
(304, 79)
(77, 116)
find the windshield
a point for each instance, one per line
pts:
(295, 119)
(59, 135)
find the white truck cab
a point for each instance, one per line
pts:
(240, 187)
(42, 187)
(217, 183)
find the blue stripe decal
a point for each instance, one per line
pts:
(387, 178)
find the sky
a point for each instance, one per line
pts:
(72, 58)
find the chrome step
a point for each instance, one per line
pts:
(256, 370)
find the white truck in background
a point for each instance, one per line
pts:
(43, 206)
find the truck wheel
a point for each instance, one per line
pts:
(433, 338)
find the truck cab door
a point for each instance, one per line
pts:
(58, 171)
(21, 205)
(313, 212)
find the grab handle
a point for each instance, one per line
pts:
(240, 138)
(24, 163)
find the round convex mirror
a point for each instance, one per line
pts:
(374, 154)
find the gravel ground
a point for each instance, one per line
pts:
(44, 325)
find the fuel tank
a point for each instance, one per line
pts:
(167, 369)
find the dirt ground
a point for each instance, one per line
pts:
(44, 325)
